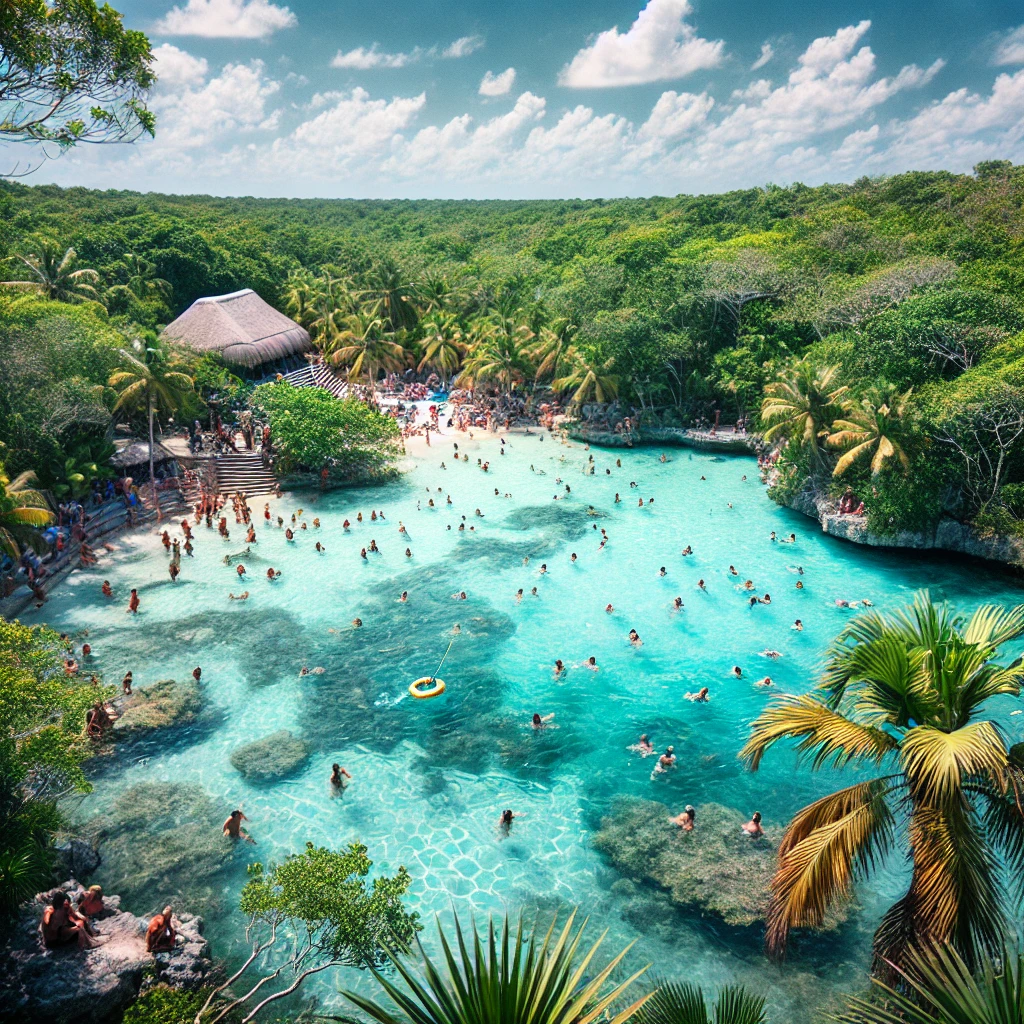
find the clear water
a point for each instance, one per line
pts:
(431, 777)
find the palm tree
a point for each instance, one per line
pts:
(496, 355)
(23, 511)
(149, 379)
(800, 404)
(331, 303)
(684, 1004)
(299, 295)
(588, 379)
(901, 693)
(442, 345)
(515, 981)
(54, 275)
(553, 348)
(878, 427)
(386, 286)
(436, 292)
(363, 347)
(938, 987)
(142, 281)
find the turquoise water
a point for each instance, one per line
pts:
(431, 777)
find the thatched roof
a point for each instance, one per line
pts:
(241, 327)
(137, 454)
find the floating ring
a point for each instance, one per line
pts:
(436, 688)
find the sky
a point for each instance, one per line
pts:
(552, 99)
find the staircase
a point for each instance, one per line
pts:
(243, 471)
(316, 375)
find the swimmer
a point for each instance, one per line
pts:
(539, 721)
(320, 549)
(753, 827)
(798, 626)
(173, 569)
(700, 697)
(519, 595)
(677, 604)
(572, 558)
(126, 684)
(356, 623)
(273, 574)
(338, 776)
(591, 663)
(663, 571)
(456, 629)
(316, 524)
(507, 817)
(133, 602)
(404, 598)
(543, 567)
(362, 554)
(617, 498)
(767, 681)
(408, 552)
(799, 584)
(459, 595)
(373, 546)
(665, 762)
(701, 585)
(240, 570)
(686, 820)
(559, 667)
(769, 653)
(687, 550)
(634, 638)
(232, 828)
(644, 747)
(107, 592)
(737, 672)
(244, 596)
(608, 608)
(773, 538)
(732, 571)
(533, 592)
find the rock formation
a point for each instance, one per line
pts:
(270, 758)
(66, 985)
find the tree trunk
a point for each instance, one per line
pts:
(152, 463)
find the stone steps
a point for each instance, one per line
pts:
(244, 471)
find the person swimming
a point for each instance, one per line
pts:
(559, 667)
(753, 827)
(338, 776)
(677, 604)
(686, 820)
(767, 681)
(634, 638)
(700, 697)
(507, 817)
(665, 762)
(737, 672)
(232, 828)
(644, 747)
(591, 663)
(133, 602)
(541, 721)
(106, 590)
(404, 597)
(608, 608)
(798, 626)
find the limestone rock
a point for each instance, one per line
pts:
(270, 758)
(160, 704)
(76, 858)
(715, 868)
(68, 985)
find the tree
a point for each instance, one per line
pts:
(800, 404)
(362, 346)
(437, 292)
(552, 351)
(42, 747)
(589, 378)
(71, 73)
(901, 692)
(316, 913)
(732, 285)
(313, 429)
(300, 294)
(496, 355)
(23, 512)
(515, 981)
(685, 1004)
(877, 426)
(141, 280)
(938, 987)
(149, 379)
(324, 305)
(387, 287)
(443, 345)
(55, 276)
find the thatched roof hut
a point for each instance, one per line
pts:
(244, 329)
(136, 453)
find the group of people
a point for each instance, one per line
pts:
(64, 924)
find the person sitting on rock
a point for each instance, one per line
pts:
(62, 924)
(91, 904)
(160, 934)
(848, 504)
(754, 827)
(97, 719)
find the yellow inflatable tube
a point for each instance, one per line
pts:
(436, 688)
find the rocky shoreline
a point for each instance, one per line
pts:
(949, 535)
(723, 442)
(68, 985)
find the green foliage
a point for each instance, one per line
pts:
(165, 1005)
(72, 73)
(514, 980)
(312, 429)
(42, 747)
(676, 1003)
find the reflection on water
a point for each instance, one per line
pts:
(430, 777)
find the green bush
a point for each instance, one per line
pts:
(163, 1005)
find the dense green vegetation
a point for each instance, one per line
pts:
(904, 292)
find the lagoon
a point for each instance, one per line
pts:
(430, 777)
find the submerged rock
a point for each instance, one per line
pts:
(67, 985)
(272, 757)
(160, 704)
(161, 843)
(714, 868)
(76, 859)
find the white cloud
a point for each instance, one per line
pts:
(226, 19)
(767, 52)
(497, 85)
(1011, 48)
(363, 59)
(176, 69)
(354, 133)
(462, 47)
(659, 45)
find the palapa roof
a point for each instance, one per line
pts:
(244, 329)
(137, 454)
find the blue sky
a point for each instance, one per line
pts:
(527, 99)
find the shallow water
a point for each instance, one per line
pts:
(430, 777)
